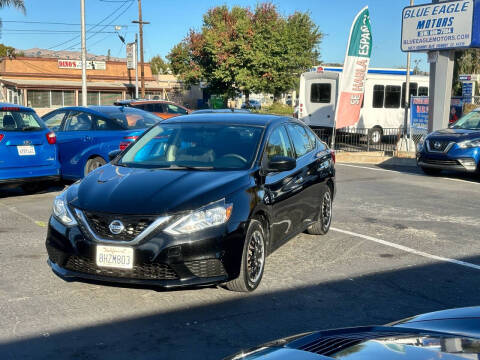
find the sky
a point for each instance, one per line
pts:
(170, 21)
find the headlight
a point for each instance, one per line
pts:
(469, 144)
(61, 212)
(206, 217)
(421, 142)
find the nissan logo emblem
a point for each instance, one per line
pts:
(437, 145)
(116, 227)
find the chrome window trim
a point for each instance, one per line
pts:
(446, 150)
(136, 240)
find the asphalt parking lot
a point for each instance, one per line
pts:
(402, 243)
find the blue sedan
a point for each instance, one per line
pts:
(456, 148)
(28, 154)
(85, 135)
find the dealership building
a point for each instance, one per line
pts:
(48, 83)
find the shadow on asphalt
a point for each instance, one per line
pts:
(216, 329)
(413, 170)
(16, 191)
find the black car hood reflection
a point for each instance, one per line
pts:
(155, 191)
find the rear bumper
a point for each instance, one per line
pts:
(29, 174)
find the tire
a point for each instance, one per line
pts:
(255, 243)
(375, 135)
(322, 226)
(93, 164)
(430, 171)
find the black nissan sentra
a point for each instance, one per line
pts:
(197, 199)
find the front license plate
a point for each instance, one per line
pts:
(115, 257)
(26, 150)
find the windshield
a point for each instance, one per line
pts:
(196, 146)
(131, 118)
(471, 121)
(20, 121)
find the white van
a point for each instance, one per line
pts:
(383, 105)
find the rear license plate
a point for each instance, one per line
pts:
(26, 150)
(114, 257)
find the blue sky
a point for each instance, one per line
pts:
(171, 20)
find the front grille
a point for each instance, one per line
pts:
(141, 272)
(329, 345)
(440, 162)
(206, 268)
(438, 145)
(134, 225)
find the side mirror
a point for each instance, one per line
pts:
(113, 154)
(280, 163)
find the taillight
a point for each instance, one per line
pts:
(51, 138)
(125, 144)
(332, 152)
(1, 137)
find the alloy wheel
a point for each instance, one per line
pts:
(255, 256)
(326, 210)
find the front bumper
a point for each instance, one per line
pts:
(159, 260)
(460, 160)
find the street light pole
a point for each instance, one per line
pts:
(407, 88)
(84, 54)
(136, 66)
(140, 23)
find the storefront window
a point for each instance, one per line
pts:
(57, 98)
(92, 98)
(69, 98)
(107, 98)
(38, 98)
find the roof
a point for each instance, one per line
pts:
(227, 110)
(143, 101)
(102, 110)
(237, 118)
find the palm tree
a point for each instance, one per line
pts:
(19, 4)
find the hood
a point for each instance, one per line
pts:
(115, 189)
(456, 135)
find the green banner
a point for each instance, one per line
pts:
(361, 36)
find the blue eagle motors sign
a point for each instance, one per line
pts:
(440, 26)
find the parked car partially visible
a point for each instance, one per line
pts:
(85, 135)
(456, 148)
(28, 154)
(226, 111)
(162, 108)
(252, 104)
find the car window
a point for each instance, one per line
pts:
(130, 117)
(180, 145)
(313, 138)
(11, 120)
(471, 121)
(158, 108)
(78, 121)
(174, 109)
(300, 139)
(54, 120)
(279, 143)
(106, 124)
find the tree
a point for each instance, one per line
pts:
(8, 51)
(158, 65)
(466, 62)
(238, 50)
(19, 4)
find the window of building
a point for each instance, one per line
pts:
(321, 93)
(378, 96)
(423, 91)
(38, 98)
(57, 98)
(108, 98)
(392, 96)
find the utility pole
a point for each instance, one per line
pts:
(84, 55)
(136, 66)
(407, 88)
(140, 23)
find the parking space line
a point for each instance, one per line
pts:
(401, 172)
(407, 249)
(28, 217)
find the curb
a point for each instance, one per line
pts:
(376, 158)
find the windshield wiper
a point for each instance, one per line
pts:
(187, 167)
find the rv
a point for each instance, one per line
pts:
(383, 103)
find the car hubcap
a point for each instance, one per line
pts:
(326, 210)
(255, 256)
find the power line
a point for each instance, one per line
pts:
(51, 23)
(53, 31)
(97, 25)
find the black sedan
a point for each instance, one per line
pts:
(449, 335)
(197, 199)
